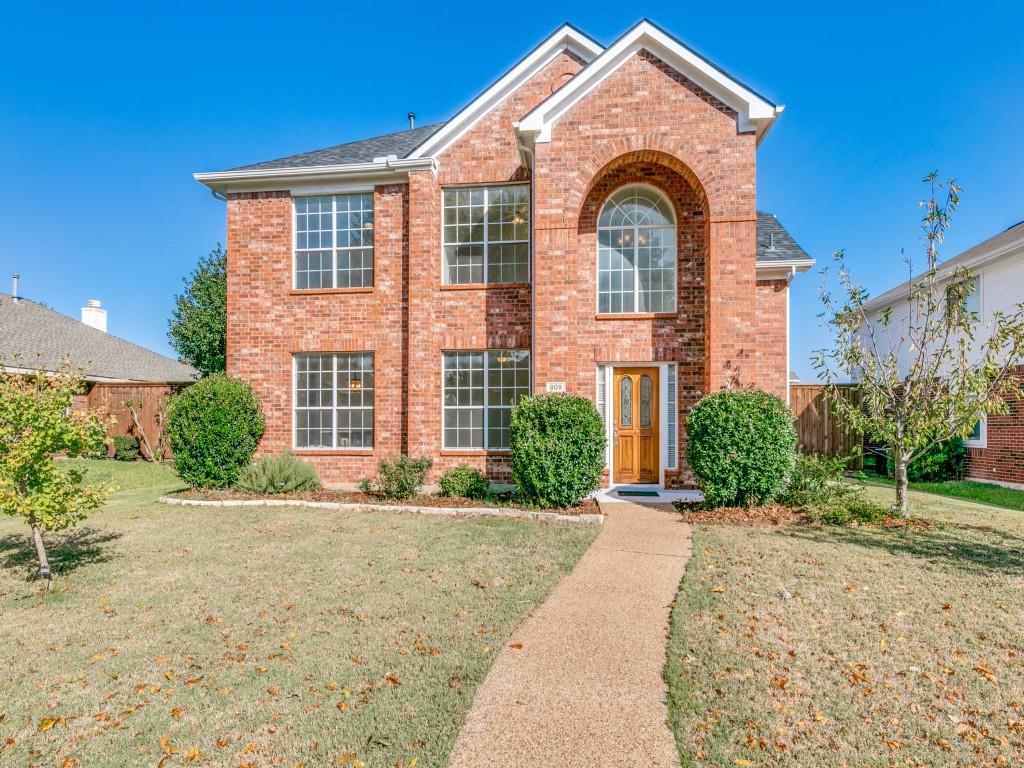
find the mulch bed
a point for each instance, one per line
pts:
(586, 507)
(777, 515)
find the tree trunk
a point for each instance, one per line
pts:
(902, 484)
(44, 563)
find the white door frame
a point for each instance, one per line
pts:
(609, 415)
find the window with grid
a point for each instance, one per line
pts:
(487, 234)
(334, 400)
(334, 241)
(636, 253)
(480, 389)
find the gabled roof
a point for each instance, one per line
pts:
(775, 246)
(566, 37)
(36, 338)
(756, 113)
(398, 144)
(1008, 242)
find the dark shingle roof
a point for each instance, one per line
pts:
(774, 243)
(400, 144)
(37, 338)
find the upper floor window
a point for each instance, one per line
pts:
(334, 241)
(636, 253)
(487, 234)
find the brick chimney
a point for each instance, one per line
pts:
(94, 315)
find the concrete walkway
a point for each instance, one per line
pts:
(580, 681)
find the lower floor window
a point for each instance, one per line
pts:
(480, 389)
(334, 400)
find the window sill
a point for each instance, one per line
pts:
(481, 286)
(475, 452)
(636, 316)
(333, 451)
(323, 291)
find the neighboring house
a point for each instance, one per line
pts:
(996, 447)
(587, 224)
(36, 338)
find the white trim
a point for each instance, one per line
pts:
(381, 171)
(755, 113)
(780, 270)
(982, 441)
(564, 38)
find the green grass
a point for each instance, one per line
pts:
(972, 490)
(895, 647)
(258, 636)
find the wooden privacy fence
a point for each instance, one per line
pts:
(150, 401)
(819, 428)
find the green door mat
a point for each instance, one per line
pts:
(637, 493)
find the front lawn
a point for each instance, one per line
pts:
(799, 645)
(258, 636)
(972, 490)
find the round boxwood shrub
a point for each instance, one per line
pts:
(464, 482)
(558, 445)
(214, 427)
(741, 446)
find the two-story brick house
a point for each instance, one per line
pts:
(587, 224)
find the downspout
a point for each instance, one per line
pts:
(528, 160)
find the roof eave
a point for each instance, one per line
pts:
(779, 269)
(261, 178)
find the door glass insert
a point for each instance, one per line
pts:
(626, 402)
(645, 401)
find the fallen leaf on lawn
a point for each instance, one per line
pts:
(222, 742)
(177, 712)
(946, 746)
(413, 761)
(163, 761)
(167, 745)
(342, 706)
(273, 690)
(983, 670)
(740, 760)
(478, 583)
(780, 683)
(517, 646)
(349, 758)
(392, 679)
(47, 723)
(195, 753)
(722, 589)
(69, 762)
(169, 674)
(485, 649)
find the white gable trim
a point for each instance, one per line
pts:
(564, 38)
(755, 112)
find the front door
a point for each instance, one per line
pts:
(636, 425)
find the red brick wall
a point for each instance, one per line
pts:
(1003, 458)
(644, 123)
(268, 322)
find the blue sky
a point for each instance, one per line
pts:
(106, 110)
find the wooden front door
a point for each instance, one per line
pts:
(636, 425)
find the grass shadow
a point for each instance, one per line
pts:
(970, 548)
(67, 550)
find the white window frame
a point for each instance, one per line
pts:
(334, 193)
(445, 408)
(486, 241)
(334, 408)
(636, 269)
(982, 441)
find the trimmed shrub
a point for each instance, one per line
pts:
(278, 474)
(126, 447)
(464, 482)
(741, 446)
(398, 477)
(214, 427)
(943, 461)
(558, 445)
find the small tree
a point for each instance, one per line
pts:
(36, 424)
(198, 326)
(923, 375)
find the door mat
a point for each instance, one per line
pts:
(637, 493)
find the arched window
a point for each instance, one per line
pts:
(636, 253)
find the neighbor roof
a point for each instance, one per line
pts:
(399, 144)
(34, 337)
(1009, 241)
(775, 244)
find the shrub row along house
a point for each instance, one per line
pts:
(995, 449)
(587, 224)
